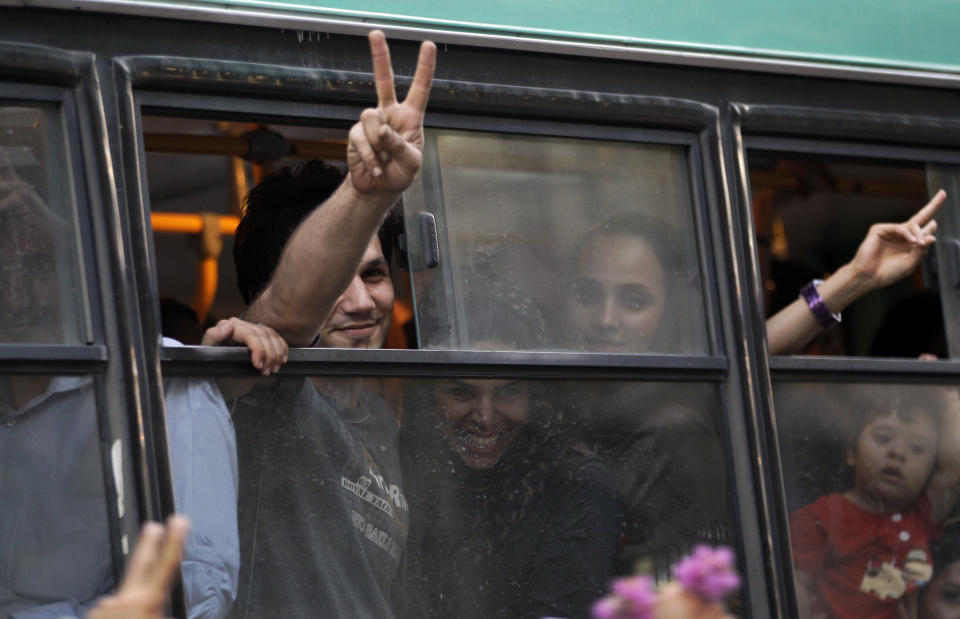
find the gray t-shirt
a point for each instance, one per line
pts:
(323, 519)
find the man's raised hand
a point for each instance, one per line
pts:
(386, 146)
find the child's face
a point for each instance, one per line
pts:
(893, 460)
(942, 598)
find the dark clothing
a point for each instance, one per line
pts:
(554, 561)
(323, 519)
(665, 456)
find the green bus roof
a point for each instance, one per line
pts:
(903, 34)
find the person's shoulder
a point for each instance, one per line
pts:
(580, 468)
(826, 504)
(835, 501)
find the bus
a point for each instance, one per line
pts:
(760, 142)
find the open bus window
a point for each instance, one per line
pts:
(868, 471)
(43, 301)
(598, 235)
(811, 213)
(55, 542)
(199, 173)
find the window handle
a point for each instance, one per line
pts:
(429, 246)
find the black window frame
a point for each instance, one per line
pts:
(831, 132)
(68, 79)
(195, 87)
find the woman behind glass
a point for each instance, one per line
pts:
(507, 518)
(630, 291)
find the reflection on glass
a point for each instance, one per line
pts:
(496, 497)
(871, 474)
(544, 213)
(55, 553)
(39, 270)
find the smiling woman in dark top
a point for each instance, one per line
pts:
(507, 519)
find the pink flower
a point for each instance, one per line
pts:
(607, 608)
(633, 598)
(708, 572)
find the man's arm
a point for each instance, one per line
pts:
(889, 253)
(383, 155)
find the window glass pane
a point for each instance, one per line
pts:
(870, 476)
(55, 550)
(947, 259)
(43, 301)
(456, 497)
(598, 235)
(811, 213)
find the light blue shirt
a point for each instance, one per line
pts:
(55, 558)
(203, 459)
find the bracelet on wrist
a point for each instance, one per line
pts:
(818, 308)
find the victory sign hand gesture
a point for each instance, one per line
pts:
(890, 252)
(386, 147)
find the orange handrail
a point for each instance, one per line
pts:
(206, 288)
(190, 223)
(209, 227)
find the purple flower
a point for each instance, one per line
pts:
(607, 608)
(708, 572)
(633, 598)
(639, 590)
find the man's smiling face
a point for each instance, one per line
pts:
(361, 316)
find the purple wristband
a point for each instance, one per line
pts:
(815, 302)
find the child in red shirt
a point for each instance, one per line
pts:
(857, 554)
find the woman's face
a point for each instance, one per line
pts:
(482, 417)
(618, 295)
(942, 598)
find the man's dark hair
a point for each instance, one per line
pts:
(272, 211)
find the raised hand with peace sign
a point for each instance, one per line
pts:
(322, 257)
(887, 254)
(386, 146)
(890, 252)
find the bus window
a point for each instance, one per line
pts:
(521, 494)
(599, 234)
(199, 173)
(869, 471)
(811, 213)
(43, 301)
